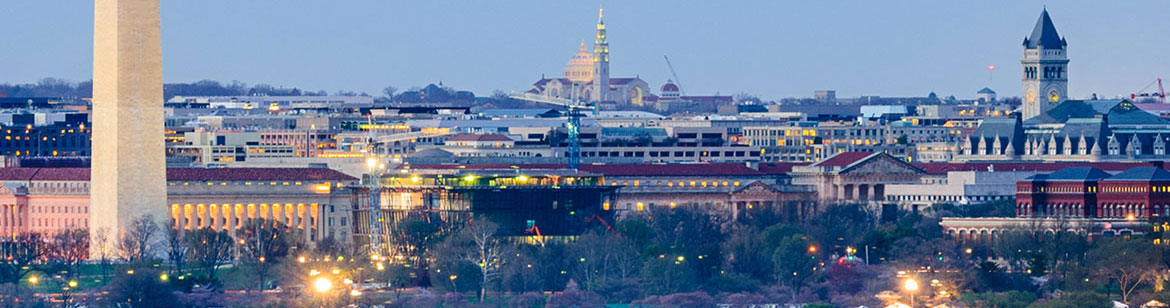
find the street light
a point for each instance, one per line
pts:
(322, 285)
(33, 280)
(910, 285)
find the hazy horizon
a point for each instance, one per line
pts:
(769, 49)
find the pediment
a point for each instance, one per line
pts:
(756, 188)
(882, 164)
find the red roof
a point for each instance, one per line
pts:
(698, 169)
(29, 174)
(185, 174)
(843, 159)
(943, 168)
(694, 169)
(478, 137)
(256, 174)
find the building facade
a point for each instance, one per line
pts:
(314, 201)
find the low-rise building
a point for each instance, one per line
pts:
(316, 201)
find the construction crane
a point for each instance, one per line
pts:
(372, 182)
(574, 109)
(677, 82)
(1161, 94)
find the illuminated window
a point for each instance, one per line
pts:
(640, 206)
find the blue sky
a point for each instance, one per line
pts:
(773, 49)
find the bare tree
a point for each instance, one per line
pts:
(17, 253)
(264, 245)
(137, 244)
(487, 254)
(1128, 262)
(69, 249)
(389, 91)
(177, 249)
(208, 248)
(102, 245)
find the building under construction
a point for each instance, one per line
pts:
(528, 205)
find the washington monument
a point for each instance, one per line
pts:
(128, 174)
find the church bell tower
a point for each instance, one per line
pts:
(600, 62)
(1045, 68)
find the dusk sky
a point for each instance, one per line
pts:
(772, 49)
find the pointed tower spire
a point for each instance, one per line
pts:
(600, 86)
(600, 15)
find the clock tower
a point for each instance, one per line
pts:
(1045, 68)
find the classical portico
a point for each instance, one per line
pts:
(793, 204)
(856, 177)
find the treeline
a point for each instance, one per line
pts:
(54, 87)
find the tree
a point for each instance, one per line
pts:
(1128, 262)
(602, 257)
(177, 250)
(744, 253)
(668, 274)
(690, 232)
(104, 246)
(138, 242)
(17, 254)
(413, 234)
(840, 225)
(264, 245)
(795, 260)
(68, 249)
(208, 249)
(141, 288)
(389, 92)
(487, 252)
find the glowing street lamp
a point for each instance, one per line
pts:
(73, 283)
(33, 280)
(322, 285)
(911, 286)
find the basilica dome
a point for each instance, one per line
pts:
(580, 67)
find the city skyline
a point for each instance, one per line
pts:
(478, 41)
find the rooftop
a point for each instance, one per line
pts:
(1078, 174)
(844, 159)
(185, 174)
(1142, 174)
(1044, 34)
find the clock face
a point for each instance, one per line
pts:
(1031, 96)
(1053, 96)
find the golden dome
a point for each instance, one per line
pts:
(580, 67)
